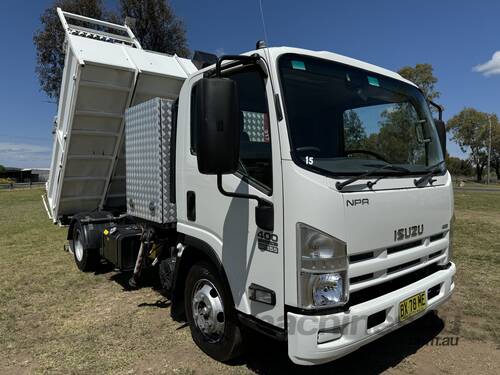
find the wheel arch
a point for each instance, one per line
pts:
(196, 250)
(92, 234)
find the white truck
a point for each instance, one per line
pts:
(298, 193)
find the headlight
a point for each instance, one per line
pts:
(322, 266)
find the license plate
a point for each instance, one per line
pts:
(412, 306)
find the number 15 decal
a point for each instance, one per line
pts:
(309, 160)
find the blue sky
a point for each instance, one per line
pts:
(454, 36)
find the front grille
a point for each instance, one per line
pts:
(406, 246)
(360, 257)
(436, 254)
(358, 279)
(380, 265)
(400, 267)
(436, 237)
(375, 291)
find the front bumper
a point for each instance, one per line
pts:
(303, 346)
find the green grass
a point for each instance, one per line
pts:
(478, 185)
(54, 319)
(477, 255)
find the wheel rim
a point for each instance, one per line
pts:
(78, 247)
(208, 310)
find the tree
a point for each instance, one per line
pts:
(469, 129)
(495, 145)
(156, 26)
(397, 135)
(423, 76)
(49, 41)
(458, 167)
(354, 131)
(2, 169)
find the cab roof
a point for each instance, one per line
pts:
(277, 51)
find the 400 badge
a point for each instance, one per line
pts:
(267, 241)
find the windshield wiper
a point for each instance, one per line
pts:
(340, 185)
(427, 178)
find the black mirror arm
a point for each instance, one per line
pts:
(261, 202)
(264, 212)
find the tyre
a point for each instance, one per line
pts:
(210, 313)
(86, 259)
(166, 273)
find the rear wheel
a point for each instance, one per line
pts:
(86, 259)
(210, 313)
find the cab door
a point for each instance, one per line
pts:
(248, 254)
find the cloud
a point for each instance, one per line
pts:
(490, 67)
(24, 155)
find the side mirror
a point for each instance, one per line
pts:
(218, 130)
(217, 120)
(441, 130)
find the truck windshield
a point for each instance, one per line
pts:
(347, 121)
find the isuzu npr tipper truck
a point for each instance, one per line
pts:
(298, 193)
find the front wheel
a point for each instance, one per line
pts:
(210, 314)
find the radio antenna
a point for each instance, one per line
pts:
(263, 23)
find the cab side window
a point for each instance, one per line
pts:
(255, 147)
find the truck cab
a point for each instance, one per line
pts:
(350, 160)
